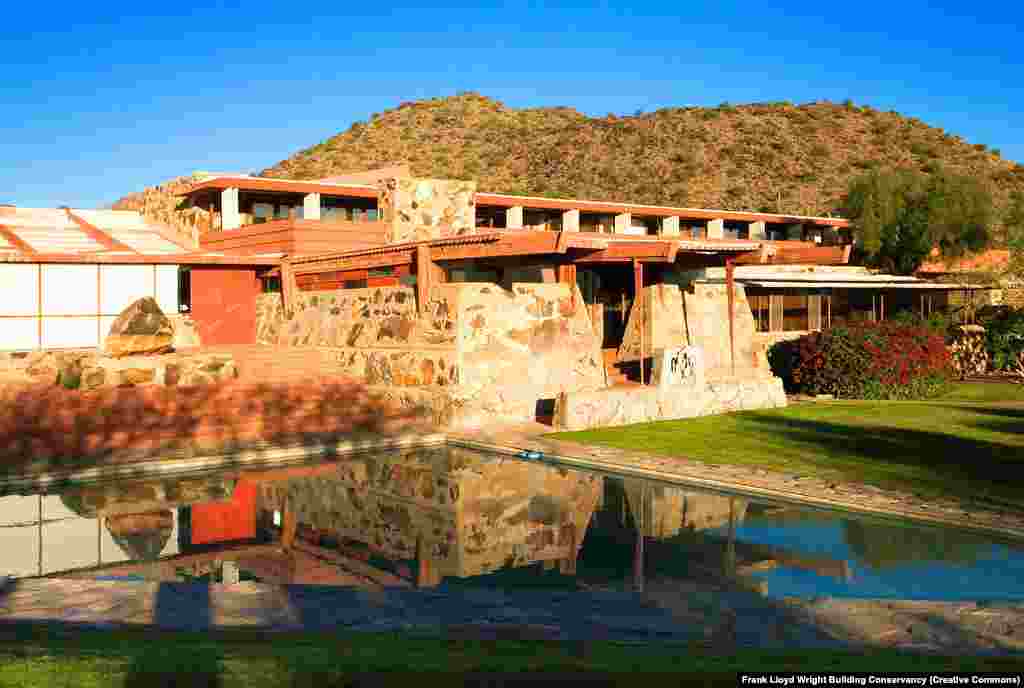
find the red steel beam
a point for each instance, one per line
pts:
(16, 241)
(98, 235)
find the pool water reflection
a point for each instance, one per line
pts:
(455, 517)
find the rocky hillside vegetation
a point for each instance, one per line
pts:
(770, 157)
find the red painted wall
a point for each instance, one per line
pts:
(224, 304)
(226, 521)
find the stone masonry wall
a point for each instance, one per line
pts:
(377, 333)
(421, 209)
(528, 343)
(641, 404)
(474, 515)
(495, 351)
(698, 316)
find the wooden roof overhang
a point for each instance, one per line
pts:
(469, 247)
(498, 200)
(282, 186)
(572, 247)
(607, 207)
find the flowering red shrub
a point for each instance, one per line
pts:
(864, 360)
(46, 422)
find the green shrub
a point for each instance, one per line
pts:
(863, 360)
(1004, 336)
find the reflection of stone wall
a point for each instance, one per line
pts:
(269, 318)
(474, 515)
(420, 209)
(698, 316)
(664, 511)
(626, 405)
(134, 497)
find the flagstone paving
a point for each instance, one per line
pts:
(666, 611)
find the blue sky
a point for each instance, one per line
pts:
(98, 99)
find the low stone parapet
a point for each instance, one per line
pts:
(90, 369)
(641, 404)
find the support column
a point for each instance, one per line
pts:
(670, 226)
(311, 206)
(730, 548)
(231, 217)
(571, 221)
(567, 566)
(716, 229)
(426, 573)
(758, 231)
(289, 527)
(730, 285)
(514, 217)
(623, 222)
(229, 573)
(424, 273)
(640, 520)
(567, 275)
(638, 305)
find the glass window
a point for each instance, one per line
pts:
(794, 312)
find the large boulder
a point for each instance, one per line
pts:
(142, 328)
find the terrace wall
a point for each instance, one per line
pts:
(479, 351)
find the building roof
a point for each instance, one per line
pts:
(840, 277)
(92, 236)
(993, 259)
(331, 187)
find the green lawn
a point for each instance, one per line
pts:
(968, 444)
(31, 657)
(987, 392)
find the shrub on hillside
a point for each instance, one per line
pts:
(863, 360)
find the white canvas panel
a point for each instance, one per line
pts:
(18, 510)
(69, 290)
(110, 551)
(167, 288)
(105, 322)
(20, 286)
(70, 544)
(53, 508)
(120, 285)
(19, 334)
(70, 333)
(20, 546)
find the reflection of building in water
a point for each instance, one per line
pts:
(466, 515)
(95, 525)
(662, 511)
